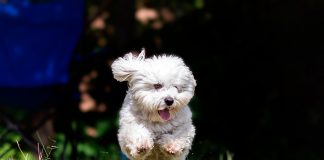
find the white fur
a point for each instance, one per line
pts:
(143, 133)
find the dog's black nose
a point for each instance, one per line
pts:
(168, 101)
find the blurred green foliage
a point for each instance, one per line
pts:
(9, 148)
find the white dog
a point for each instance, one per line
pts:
(155, 120)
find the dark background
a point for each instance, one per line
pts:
(259, 70)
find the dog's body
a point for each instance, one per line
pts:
(155, 120)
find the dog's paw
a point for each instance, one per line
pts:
(144, 147)
(140, 149)
(173, 148)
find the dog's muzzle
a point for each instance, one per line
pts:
(168, 101)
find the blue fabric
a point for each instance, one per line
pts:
(37, 40)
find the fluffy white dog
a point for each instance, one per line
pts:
(155, 120)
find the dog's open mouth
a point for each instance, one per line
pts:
(165, 114)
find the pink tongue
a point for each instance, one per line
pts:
(164, 114)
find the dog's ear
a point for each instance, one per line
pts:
(124, 67)
(141, 56)
(194, 82)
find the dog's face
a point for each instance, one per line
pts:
(160, 85)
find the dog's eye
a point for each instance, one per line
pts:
(157, 86)
(178, 88)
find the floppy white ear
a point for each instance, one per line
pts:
(124, 67)
(141, 56)
(194, 82)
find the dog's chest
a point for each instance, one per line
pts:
(162, 128)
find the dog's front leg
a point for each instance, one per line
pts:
(135, 140)
(178, 143)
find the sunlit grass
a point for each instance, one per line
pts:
(25, 155)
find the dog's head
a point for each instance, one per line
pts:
(160, 85)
